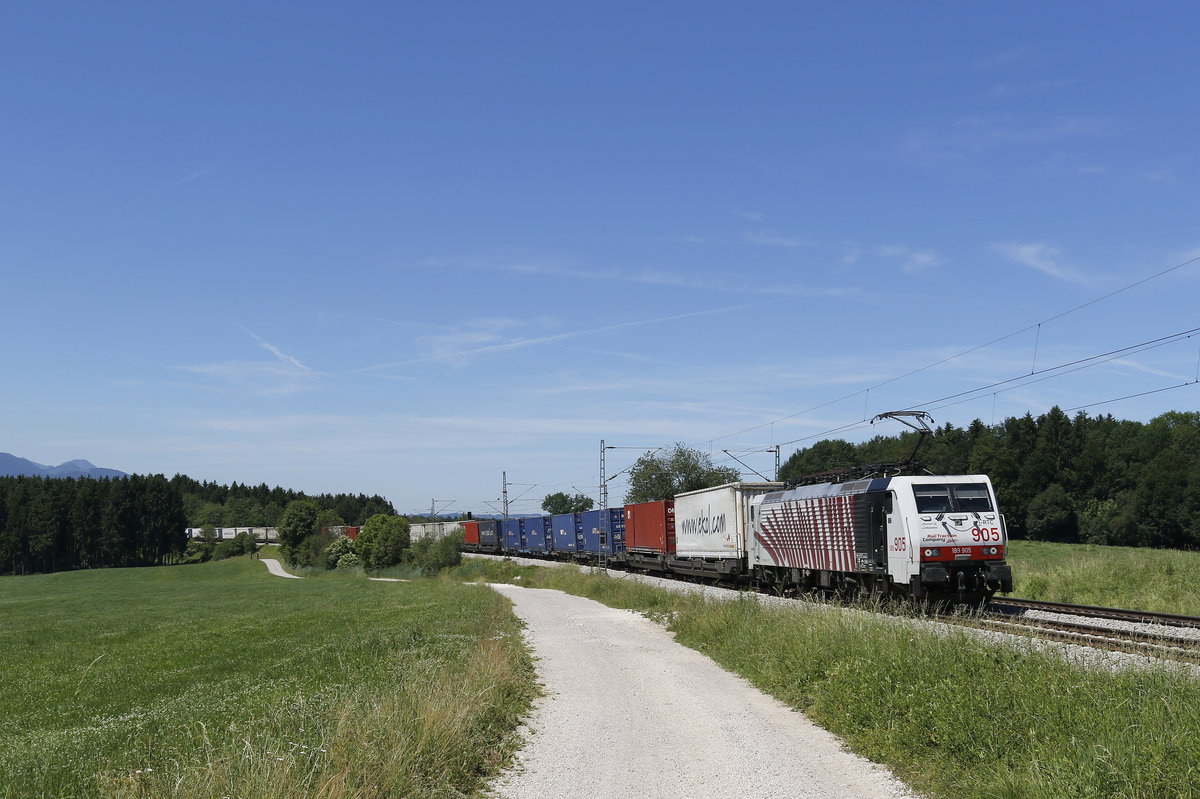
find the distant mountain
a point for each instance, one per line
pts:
(12, 466)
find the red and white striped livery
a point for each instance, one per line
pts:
(809, 533)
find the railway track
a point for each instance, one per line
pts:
(1113, 614)
(1153, 635)
(1158, 635)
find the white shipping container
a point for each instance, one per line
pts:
(712, 522)
(432, 529)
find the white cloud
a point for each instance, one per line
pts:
(1001, 58)
(1035, 87)
(285, 375)
(271, 348)
(765, 239)
(256, 377)
(462, 354)
(912, 260)
(970, 137)
(660, 277)
(1159, 175)
(1146, 369)
(1044, 258)
(197, 175)
(1187, 255)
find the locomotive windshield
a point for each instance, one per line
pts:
(952, 498)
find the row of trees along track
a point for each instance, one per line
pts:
(1096, 480)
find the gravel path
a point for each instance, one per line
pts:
(276, 568)
(631, 713)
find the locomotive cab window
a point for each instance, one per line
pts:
(972, 497)
(952, 498)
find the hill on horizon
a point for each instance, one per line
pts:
(13, 466)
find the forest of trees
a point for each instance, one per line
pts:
(1095, 480)
(58, 524)
(49, 524)
(214, 505)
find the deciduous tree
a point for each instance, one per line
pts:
(663, 474)
(561, 502)
(382, 541)
(299, 521)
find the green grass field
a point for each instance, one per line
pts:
(218, 680)
(954, 716)
(1166, 581)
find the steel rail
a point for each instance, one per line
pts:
(1093, 611)
(1129, 642)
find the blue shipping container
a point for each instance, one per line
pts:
(593, 535)
(512, 534)
(535, 531)
(566, 528)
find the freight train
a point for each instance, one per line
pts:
(936, 538)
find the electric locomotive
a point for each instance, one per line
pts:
(927, 537)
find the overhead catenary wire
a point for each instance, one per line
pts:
(1027, 328)
(1056, 372)
(1132, 396)
(1021, 380)
(1063, 368)
(1048, 372)
(1018, 381)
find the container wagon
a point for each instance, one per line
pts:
(536, 535)
(510, 540)
(470, 541)
(650, 534)
(567, 532)
(710, 529)
(490, 535)
(602, 531)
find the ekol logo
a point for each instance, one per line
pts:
(706, 524)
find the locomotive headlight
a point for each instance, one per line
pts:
(932, 553)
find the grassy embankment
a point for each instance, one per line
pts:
(955, 717)
(1125, 577)
(219, 681)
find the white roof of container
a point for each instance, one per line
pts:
(761, 486)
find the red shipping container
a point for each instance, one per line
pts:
(650, 527)
(471, 533)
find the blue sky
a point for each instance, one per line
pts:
(401, 248)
